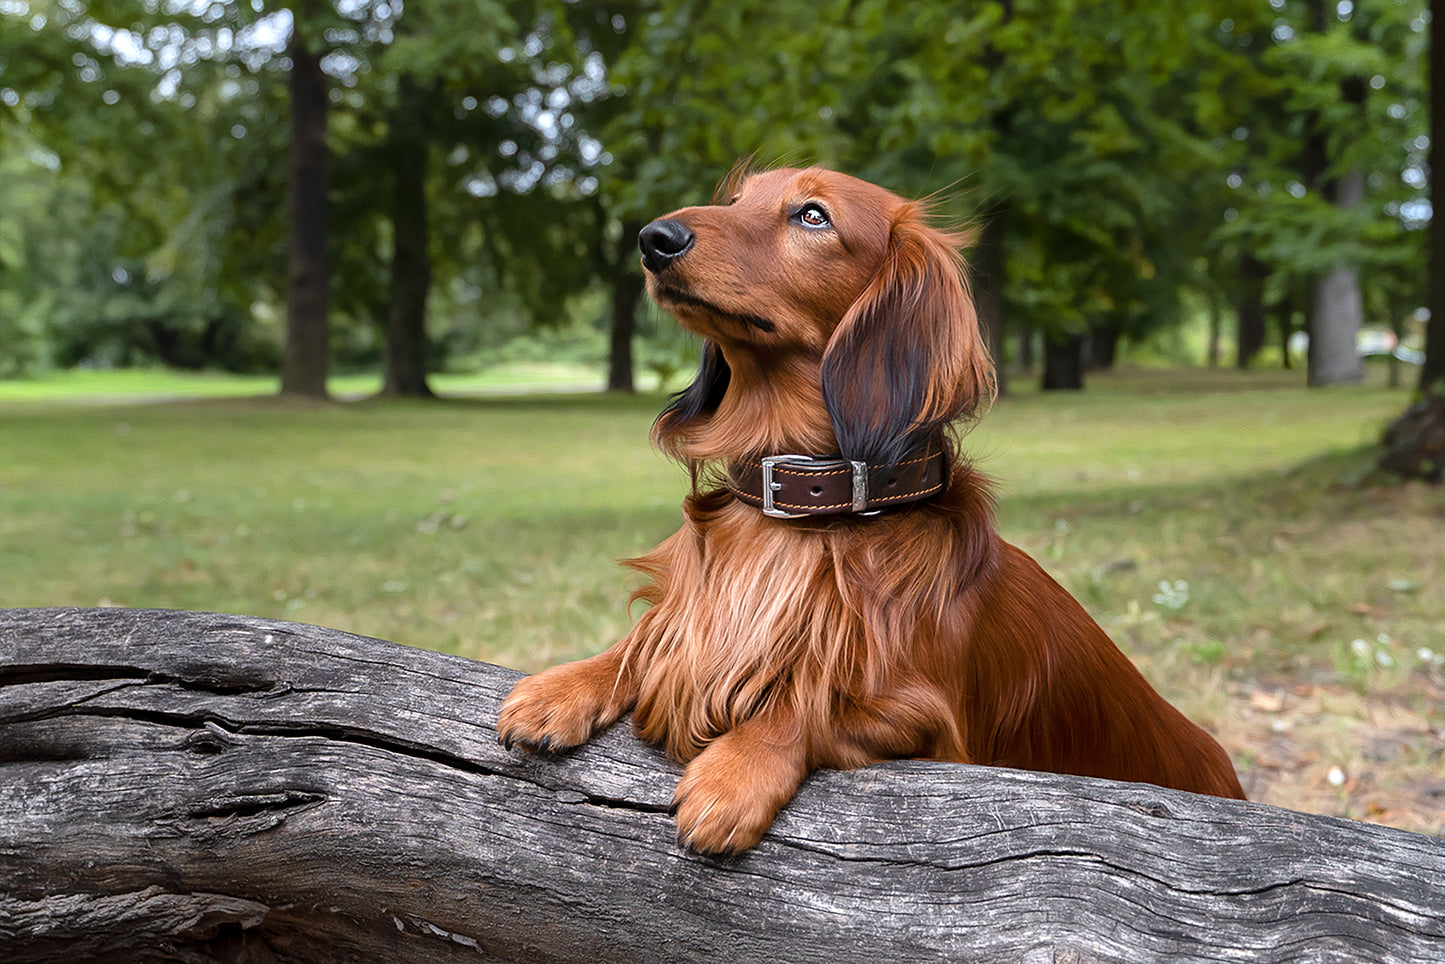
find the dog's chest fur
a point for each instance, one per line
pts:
(745, 612)
(750, 613)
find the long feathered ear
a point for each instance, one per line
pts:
(908, 357)
(696, 401)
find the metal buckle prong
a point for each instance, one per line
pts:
(770, 486)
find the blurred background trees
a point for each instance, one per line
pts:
(256, 185)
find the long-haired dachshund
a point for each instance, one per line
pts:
(837, 594)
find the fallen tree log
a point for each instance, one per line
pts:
(196, 787)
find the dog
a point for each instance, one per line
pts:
(837, 594)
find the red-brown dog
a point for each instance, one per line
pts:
(841, 597)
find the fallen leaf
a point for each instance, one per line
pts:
(1271, 701)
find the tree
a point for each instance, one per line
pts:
(1414, 444)
(688, 90)
(182, 157)
(420, 100)
(1082, 128)
(1113, 189)
(627, 289)
(1336, 306)
(1250, 309)
(305, 362)
(408, 144)
(139, 250)
(1432, 372)
(1323, 169)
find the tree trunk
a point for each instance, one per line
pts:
(1103, 347)
(407, 147)
(1250, 310)
(1216, 324)
(1336, 309)
(1432, 372)
(627, 288)
(1397, 328)
(1284, 313)
(1063, 362)
(305, 359)
(989, 285)
(203, 788)
(1414, 445)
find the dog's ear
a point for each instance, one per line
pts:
(908, 357)
(696, 401)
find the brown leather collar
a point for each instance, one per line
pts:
(792, 486)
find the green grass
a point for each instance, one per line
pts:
(490, 527)
(1262, 501)
(151, 385)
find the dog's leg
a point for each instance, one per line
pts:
(730, 793)
(566, 705)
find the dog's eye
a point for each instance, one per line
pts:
(813, 215)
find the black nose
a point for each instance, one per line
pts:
(662, 242)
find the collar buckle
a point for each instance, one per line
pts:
(771, 486)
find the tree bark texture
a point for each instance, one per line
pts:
(1103, 347)
(1250, 310)
(196, 787)
(411, 274)
(1414, 444)
(1336, 308)
(305, 360)
(989, 280)
(1063, 362)
(1025, 342)
(627, 288)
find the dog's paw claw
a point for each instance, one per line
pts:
(557, 709)
(726, 825)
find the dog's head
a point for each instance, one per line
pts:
(815, 272)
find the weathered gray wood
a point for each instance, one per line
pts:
(194, 787)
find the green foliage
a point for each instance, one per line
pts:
(1355, 81)
(25, 303)
(137, 243)
(1136, 153)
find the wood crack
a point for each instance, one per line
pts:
(210, 725)
(172, 798)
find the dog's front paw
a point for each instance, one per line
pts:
(729, 795)
(719, 818)
(559, 708)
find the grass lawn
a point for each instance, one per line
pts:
(1301, 616)
(152, 385)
